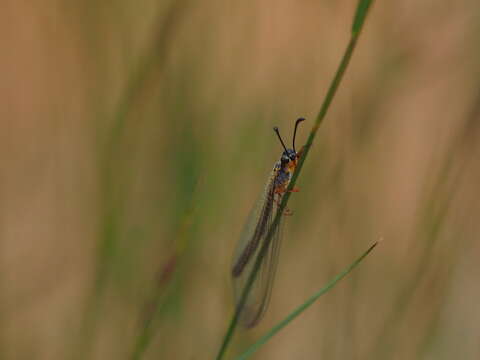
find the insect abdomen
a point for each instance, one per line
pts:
(251, 247)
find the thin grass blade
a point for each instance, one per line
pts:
(358, 22)
(360, 15)
(304, 306)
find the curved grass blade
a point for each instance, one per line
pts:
(304, 306)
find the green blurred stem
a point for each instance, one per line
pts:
(112, 201)
(166, 274)
(359, 20)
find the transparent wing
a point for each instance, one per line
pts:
(254, 230)
(254, 233)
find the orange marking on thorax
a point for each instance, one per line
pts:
(288, 168)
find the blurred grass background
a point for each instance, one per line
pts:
(135, 137)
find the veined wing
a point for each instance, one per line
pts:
(255, 231)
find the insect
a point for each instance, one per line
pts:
(255, 231)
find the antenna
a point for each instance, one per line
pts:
(295, 131)
(279, 137)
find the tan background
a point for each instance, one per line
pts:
(134, 133)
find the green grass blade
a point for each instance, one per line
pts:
(360, 15)
(304, 306)
(362, 10)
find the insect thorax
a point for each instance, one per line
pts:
(282, 175)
